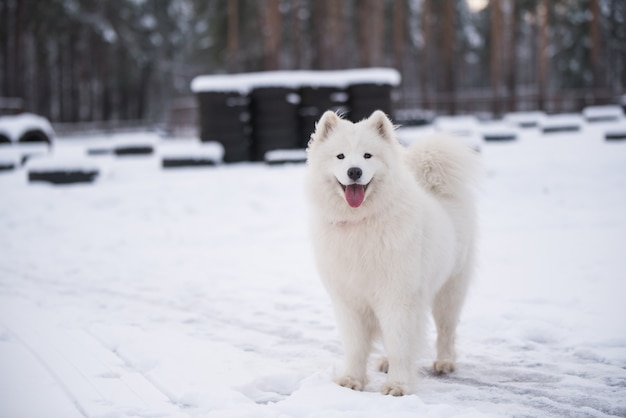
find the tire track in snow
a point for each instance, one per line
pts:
(64, 388)
(504, 382)
(274, 326)
(87, 372)
(548, 391)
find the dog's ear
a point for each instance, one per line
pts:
(379, 121)
(327, 123)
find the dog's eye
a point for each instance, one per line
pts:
(367, 155)
(341, 156)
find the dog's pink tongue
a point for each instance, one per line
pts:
(355, 193)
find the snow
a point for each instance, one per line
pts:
(616, 130)
(498, 130)
(461, 125)
(193, 293)
(97, 154)
(245, 82)
(17, 153)
(525, 119)
(562, 122)
(14, 126)
(466, 127)
(52, 163)
(10, 155)
(191, 148)
(285, 155)
(603, 113)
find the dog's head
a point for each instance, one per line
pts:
(353, 156)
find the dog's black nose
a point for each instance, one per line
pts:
(355, 173)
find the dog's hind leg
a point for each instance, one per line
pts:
(446, 312)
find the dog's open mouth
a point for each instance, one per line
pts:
(354, 193)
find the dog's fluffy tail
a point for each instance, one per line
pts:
(445, 166)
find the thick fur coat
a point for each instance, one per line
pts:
(393, 232)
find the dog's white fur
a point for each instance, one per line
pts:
(407, 248)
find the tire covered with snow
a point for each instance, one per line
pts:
(35, 135)
(26, 128)
(61, 177)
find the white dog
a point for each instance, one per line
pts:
(393, 231)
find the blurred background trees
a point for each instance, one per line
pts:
(83, 60)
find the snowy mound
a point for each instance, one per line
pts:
(617, 131)
(281, 156)
(525, 119)
(465, 127)
(190, 153)
(191, 148)
(15, 126)
(56, 163)
(603, 113)
(562, 123)
(498, 131)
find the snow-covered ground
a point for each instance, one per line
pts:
(192, 293)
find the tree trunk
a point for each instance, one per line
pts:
(73, 69)
(4, 51)
(449, 36)
(329, 35)
(297, 38)
(107, 85)
(232, 58)
(60, 47)
(15, 75)
(424, 52)
(542, 60)
(495, 63)
(320, 54)
(623, 53)
(596, 45)
(512, 57)
(371, 33)
(378, 32)
(399, 33)
(271, 31)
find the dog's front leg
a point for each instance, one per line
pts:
(356, 332)
(401, 331)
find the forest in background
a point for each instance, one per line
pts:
(92, 60)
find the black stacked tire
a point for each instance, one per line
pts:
(34, 136)
(366, 98)
(224, 118)
(314, 101)
(274, 119)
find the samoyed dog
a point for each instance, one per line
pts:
(393, 231)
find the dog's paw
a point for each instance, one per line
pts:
(350, 383)
(383, 365)
(394, 389)
(443, 366)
